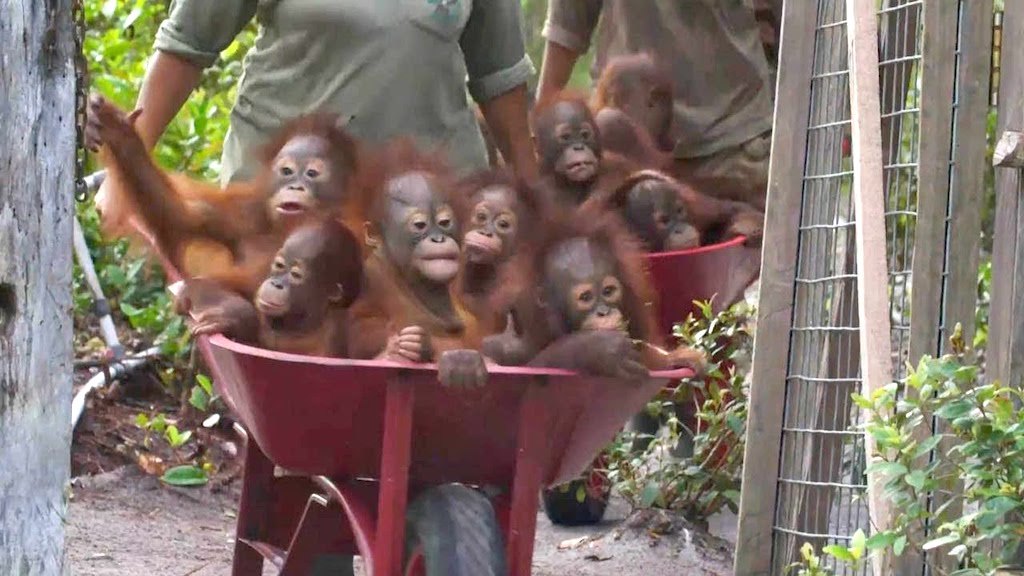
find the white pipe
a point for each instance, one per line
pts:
(117, 370)
(95, 180)
(89, 271)
(107, 328)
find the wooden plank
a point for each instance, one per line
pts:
(938, 61)
(869, 206)
(37, 138)
(775, 304)
(966, 198)
(1002, 344)
(938, 58)
(969, 152)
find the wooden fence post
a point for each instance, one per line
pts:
(37, 140)
(1006, 331)
(778, 269)
(869, 207)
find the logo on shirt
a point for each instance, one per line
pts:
(445, 11)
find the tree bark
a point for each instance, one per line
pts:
(37, 141)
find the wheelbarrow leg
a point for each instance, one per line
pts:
(252, 511)
(531, 447)
(389, 543)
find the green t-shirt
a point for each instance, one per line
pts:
(399, 67)
(711, 48)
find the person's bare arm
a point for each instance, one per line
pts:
(506, 116)
(556, 69)
(168, 83)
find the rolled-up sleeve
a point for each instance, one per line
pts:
(198, 30)
(492, 44)
(571, 23)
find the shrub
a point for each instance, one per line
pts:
(699, 484)
(979, 441)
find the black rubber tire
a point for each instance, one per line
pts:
(457, 532)
(562, 506)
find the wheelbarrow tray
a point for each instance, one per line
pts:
(721, 270)
(323, 416)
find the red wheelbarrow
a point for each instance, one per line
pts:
(720, 271)
(336, 449)
(357, 439)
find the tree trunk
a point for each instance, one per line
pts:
(37, 140)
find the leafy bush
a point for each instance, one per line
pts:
(980, 442)
(118, 42)
(708, 479)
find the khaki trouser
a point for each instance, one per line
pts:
(736, 173)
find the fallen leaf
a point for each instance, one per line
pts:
(572, 543)
(151, 464)
(597, 558)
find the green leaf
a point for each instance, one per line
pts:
(839, 553)
(899, 545)
(858, 543)
(916, 479)
(581, 493)
(890, 469)
(927, 446)
(954, 410)
(205, 383)
(650, 494)
(1001, 504)
(735, 423)
(944, 540)
(142, 421)
(881, 540)
(185, 476)
(199, 399)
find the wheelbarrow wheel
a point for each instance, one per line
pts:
(454, 531)
(563, 506)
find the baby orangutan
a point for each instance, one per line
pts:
(501, 209)
(584, 303)
(310, 169)
(410, 311)
(666, 214)
(301, 307)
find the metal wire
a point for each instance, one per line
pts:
(900, 75)
(821, 477)
(816, 491)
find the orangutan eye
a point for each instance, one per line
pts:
(312, 174)
(611, 289)
(444, 218)
(480, 217)
(297, 275)
(278, 265)
(418, 223)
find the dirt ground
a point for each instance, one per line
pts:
(124, 522)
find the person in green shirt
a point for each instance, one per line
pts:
(722, 112)
(397, 67)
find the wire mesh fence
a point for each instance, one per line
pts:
(817, 492)
(820, 495)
